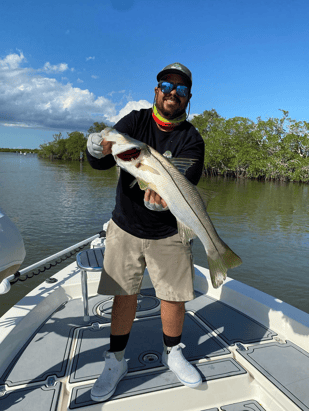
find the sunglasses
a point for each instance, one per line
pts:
(181, 90)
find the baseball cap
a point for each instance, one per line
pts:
(176, 68)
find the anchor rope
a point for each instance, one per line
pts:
(58, 260)
(46, 267)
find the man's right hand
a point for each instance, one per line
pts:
(98, 147)
(107, 146)
(154, 202)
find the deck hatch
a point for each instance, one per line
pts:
(46, 352)
(286, 366)
(145, 338)
(230, 324)
(157, 380)
(250, 405)
(31, 398)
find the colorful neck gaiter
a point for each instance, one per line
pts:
(167, 125)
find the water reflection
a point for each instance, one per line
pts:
(56, 204)
(266, 223)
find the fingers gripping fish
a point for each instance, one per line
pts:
(154, 171)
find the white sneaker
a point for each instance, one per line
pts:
(184, 371)
(114, 370)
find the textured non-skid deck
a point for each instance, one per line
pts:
(286, 366)
(250, 405)
(231, 325)
(133, 385)
(36, 398)
(210, 328)
(144, 348)
(47, 352)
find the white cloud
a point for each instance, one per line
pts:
(21, 125)
(95, 77)
(27, 97)
(90, 58)
(191, 116)
(114, 92)
(30, 99)
(79, 80)
(12, 61)
(59, 68)
(131, 105)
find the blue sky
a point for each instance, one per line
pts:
(65, 64)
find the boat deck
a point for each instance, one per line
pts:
(245, 365)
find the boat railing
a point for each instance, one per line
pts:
(6, 284)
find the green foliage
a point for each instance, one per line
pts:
(267, 149)
(75, 144)
(97, 127)
(272, 149)
(68, 148)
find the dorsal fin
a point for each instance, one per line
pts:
(182, 164)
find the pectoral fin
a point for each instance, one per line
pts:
(185, 232)
(143, 185)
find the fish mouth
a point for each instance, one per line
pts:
(129, 155)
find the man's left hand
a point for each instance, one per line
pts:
(154, 202)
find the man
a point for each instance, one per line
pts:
(144, 232)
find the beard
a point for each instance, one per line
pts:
(172, 112)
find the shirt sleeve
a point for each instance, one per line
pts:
(126, 124)
(100, 163)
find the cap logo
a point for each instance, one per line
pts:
(177, 66)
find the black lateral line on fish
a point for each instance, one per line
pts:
(158, 159)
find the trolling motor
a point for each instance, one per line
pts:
(12, 251)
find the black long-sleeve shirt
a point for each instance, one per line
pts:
(130, 213)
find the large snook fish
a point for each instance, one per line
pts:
(157, 173)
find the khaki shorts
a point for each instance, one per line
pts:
(169, 263)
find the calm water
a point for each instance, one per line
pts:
(57, 204)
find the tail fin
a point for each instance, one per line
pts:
(218, 267)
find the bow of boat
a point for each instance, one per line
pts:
(250, 349)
